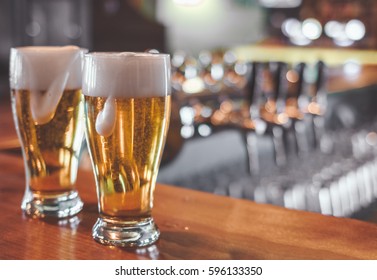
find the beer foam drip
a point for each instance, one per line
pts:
(105, 122)
(126, 75)
(43, 107)
(45, 69)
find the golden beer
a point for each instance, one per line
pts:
(48, 112)
(127, 108)
(51, 150)
(127, 161)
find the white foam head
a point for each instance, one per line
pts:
(126, 74)
(36, 68)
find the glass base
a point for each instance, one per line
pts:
(59, 206)
(137, 234)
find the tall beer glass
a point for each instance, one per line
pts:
(127, 107)
(48, 110)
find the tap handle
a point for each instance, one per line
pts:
(281, 86)
(251, 83)
(320, 75)
(275, 70)
(300, 68)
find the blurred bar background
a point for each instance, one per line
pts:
(273, 100)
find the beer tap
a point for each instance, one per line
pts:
(249, 125)
(320, 100)
(312, 101)
(266, 97)
(297, 136)
(277, 111)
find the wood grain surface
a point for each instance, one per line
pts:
(194, 225)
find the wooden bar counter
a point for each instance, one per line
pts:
(194, 225)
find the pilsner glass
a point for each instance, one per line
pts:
(127, 107)
(47, 106)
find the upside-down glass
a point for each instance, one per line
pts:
(48, 110)
(127, 107)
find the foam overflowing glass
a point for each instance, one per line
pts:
(127, 111)
(47, 107)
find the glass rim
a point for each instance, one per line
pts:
(49, 49)
(126, 55)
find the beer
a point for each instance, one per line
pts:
(127, 108)
(126, 162)
(47, 106)
(51, 150)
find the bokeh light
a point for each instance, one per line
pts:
(355, 29)
(311, 28)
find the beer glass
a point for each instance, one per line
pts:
(127, 107)
(48, 111)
